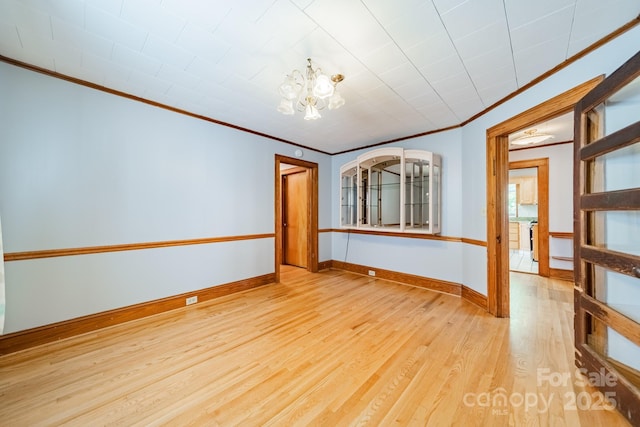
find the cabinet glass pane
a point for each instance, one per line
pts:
(417, 194)
(383, 195)
(348, 197)
(435, 198)
(364, 197)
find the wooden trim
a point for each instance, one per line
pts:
(402, 138)
(561, 234)
(617, 261)
(397, 234)
(497, 177)
(474, 297)
(622, 138)
(407, 279)
(21, 340)
(407, 235)
(52, 253)
(625, 326)
(474, 242)
(324, 265)
(558, 273)
(611, 200)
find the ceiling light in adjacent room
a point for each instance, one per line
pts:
(531, 136)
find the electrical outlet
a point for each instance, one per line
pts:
(372, 273)
(192, 300)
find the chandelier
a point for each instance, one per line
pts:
(310, 93)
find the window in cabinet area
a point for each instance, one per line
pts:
(513, 200)
(396, 190)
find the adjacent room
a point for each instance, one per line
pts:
(310, 212)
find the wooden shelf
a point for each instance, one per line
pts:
(561, 235)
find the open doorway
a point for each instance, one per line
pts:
(296, 213)
(498, 298)
(531, 181)
(524, 255)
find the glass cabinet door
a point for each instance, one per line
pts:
(349, 194)
(422, 193)
(379, 188)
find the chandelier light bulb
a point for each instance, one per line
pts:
(311, 113)
(323, 87)
(336, 101)
(286, 106)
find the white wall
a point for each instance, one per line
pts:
(80, 167)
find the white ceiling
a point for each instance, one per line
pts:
(560, 129)
(410, 66)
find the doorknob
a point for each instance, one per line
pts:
(636, 271)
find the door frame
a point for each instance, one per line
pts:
(542, 165)
(497, 169)
(285, 174)
(312, 202)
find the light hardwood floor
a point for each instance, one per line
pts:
(332, 348)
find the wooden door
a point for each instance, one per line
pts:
(607, 238)
(295, 217)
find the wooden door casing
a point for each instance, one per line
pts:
(295, 216)
(312, 203)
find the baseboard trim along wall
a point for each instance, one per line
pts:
(452, 288)
(557, 273)
(22, 340)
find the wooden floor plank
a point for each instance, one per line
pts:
(331, 348)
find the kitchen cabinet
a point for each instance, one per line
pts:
(514, 235)
(527, 189)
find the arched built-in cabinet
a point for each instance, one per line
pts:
(392, 189)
